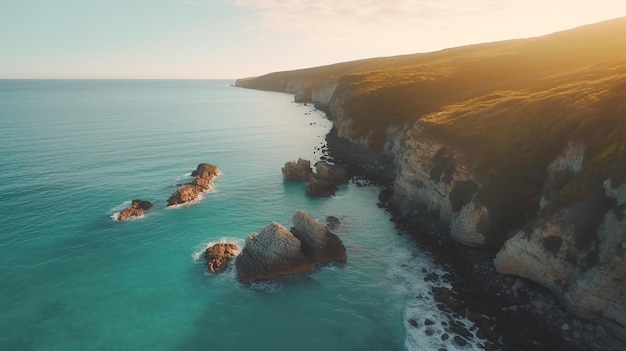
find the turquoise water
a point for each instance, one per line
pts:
(73, 153)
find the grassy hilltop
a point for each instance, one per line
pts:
(513, 106)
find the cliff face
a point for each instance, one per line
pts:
(578, 253)
(518, 146)
(437, 178)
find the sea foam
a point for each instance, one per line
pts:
(420, 305)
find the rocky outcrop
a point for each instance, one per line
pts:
(318, 243)
(136, 210)
(204, 175)
(324, 181)
(297, 170)
(217, 256)
(272, 253)
(275, 251)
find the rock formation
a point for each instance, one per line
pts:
(217, 256)
(326, 178)
(272, 253)
(204, 175)
(297, 170)
(331, 173)
(275, 251)
(318, 243)
(135, 210)
(320, 187)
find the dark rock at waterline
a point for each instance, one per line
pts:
(135, 210)
(217, 256)
(460, 341)
(331, 173)
(272, 253)
(460, 329)
(332, 222)
(449, 299)
(204, 175)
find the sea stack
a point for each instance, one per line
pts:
(275, 251)
(217, 256)
(135, 210)
(297, 170)
(272, 253)
(204, 175)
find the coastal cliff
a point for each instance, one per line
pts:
(517, 146)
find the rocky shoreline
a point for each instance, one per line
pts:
(507, 312)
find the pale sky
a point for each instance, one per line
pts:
(241, 38)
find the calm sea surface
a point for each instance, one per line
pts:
(73, 153)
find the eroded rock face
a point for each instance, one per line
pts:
(435, 178)
(320, 187)
(272, 253)
(135, 210)
(318, 243)
(332, 173)
(324, 182)
(579, 254)
(204, 175)
(297, 170)
(217, 256)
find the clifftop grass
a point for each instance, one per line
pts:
(512, 106)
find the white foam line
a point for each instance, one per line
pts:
(121, 206)
(407, 280)
(197, 254)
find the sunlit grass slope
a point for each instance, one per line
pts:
(512, 106)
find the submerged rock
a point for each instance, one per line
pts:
(217, 256)
(297, 170)
(135, 210)
(318, 243)
(204, 175)
(332, 222)
(272, 253)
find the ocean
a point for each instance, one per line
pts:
(75, 152)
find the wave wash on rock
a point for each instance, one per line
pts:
(271, 253)
(204, 175)
(275, 251)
